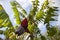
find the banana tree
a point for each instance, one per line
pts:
(28, 23)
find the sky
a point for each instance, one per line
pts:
(26, 4)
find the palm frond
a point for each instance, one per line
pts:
(4, 19)
(16, 13)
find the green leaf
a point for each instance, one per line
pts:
(39, 15)
(31, 27)
(52, 31)
(16, 14)
(43, 38)
(1, 21)
(1, 32)
(50, 14)
(4, 19)
(13, 3)
(1, 8)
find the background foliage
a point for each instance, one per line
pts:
(36, 15)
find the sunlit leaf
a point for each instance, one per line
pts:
(16, 13)
(1, 8)
(39, 15)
